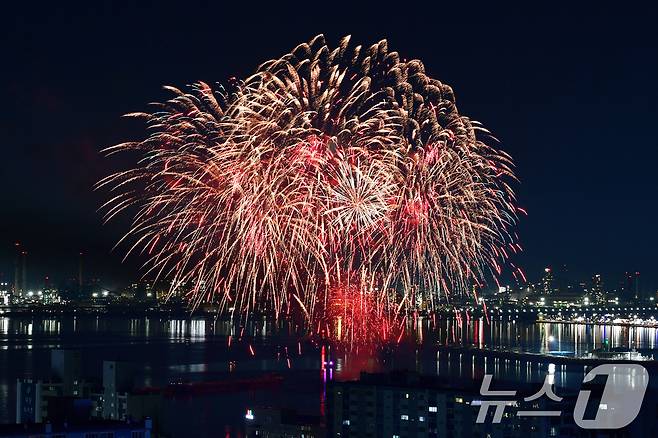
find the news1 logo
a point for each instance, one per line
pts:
(620, 402)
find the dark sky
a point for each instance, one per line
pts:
(571, 93)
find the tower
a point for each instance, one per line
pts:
(24, 272)
(80, 284)
(20, 270)
(17, 268)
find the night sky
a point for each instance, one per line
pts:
(571, 94)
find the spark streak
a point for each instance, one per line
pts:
(342, 181)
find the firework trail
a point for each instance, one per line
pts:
(340, 181)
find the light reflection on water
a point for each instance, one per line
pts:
(197, 348)
(574, 339)
(547, 338)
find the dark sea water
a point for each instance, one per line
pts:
(166, 351)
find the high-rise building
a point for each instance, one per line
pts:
(402, 404)
(117, 381)
(80, 283)
(66, 367)
(547, 287)
(20, 270)
(632, 285)
(596, 290)
(562, 283)
(29, 401)
(26, 287)
(38, 401)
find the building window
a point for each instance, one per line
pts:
(433, 409)
(404, 417)
(421, 419)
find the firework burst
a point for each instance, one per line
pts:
(336, 180)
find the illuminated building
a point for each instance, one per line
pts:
(5, 294)
(547, 282)
(51, 296)
(269, 422)
(66, 367)
(68, 397)
(632, 285)
(38, 400)
(403, 404)
(140, 291)
(596, 291)
(117, 381)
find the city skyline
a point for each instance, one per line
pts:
(549, 279)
